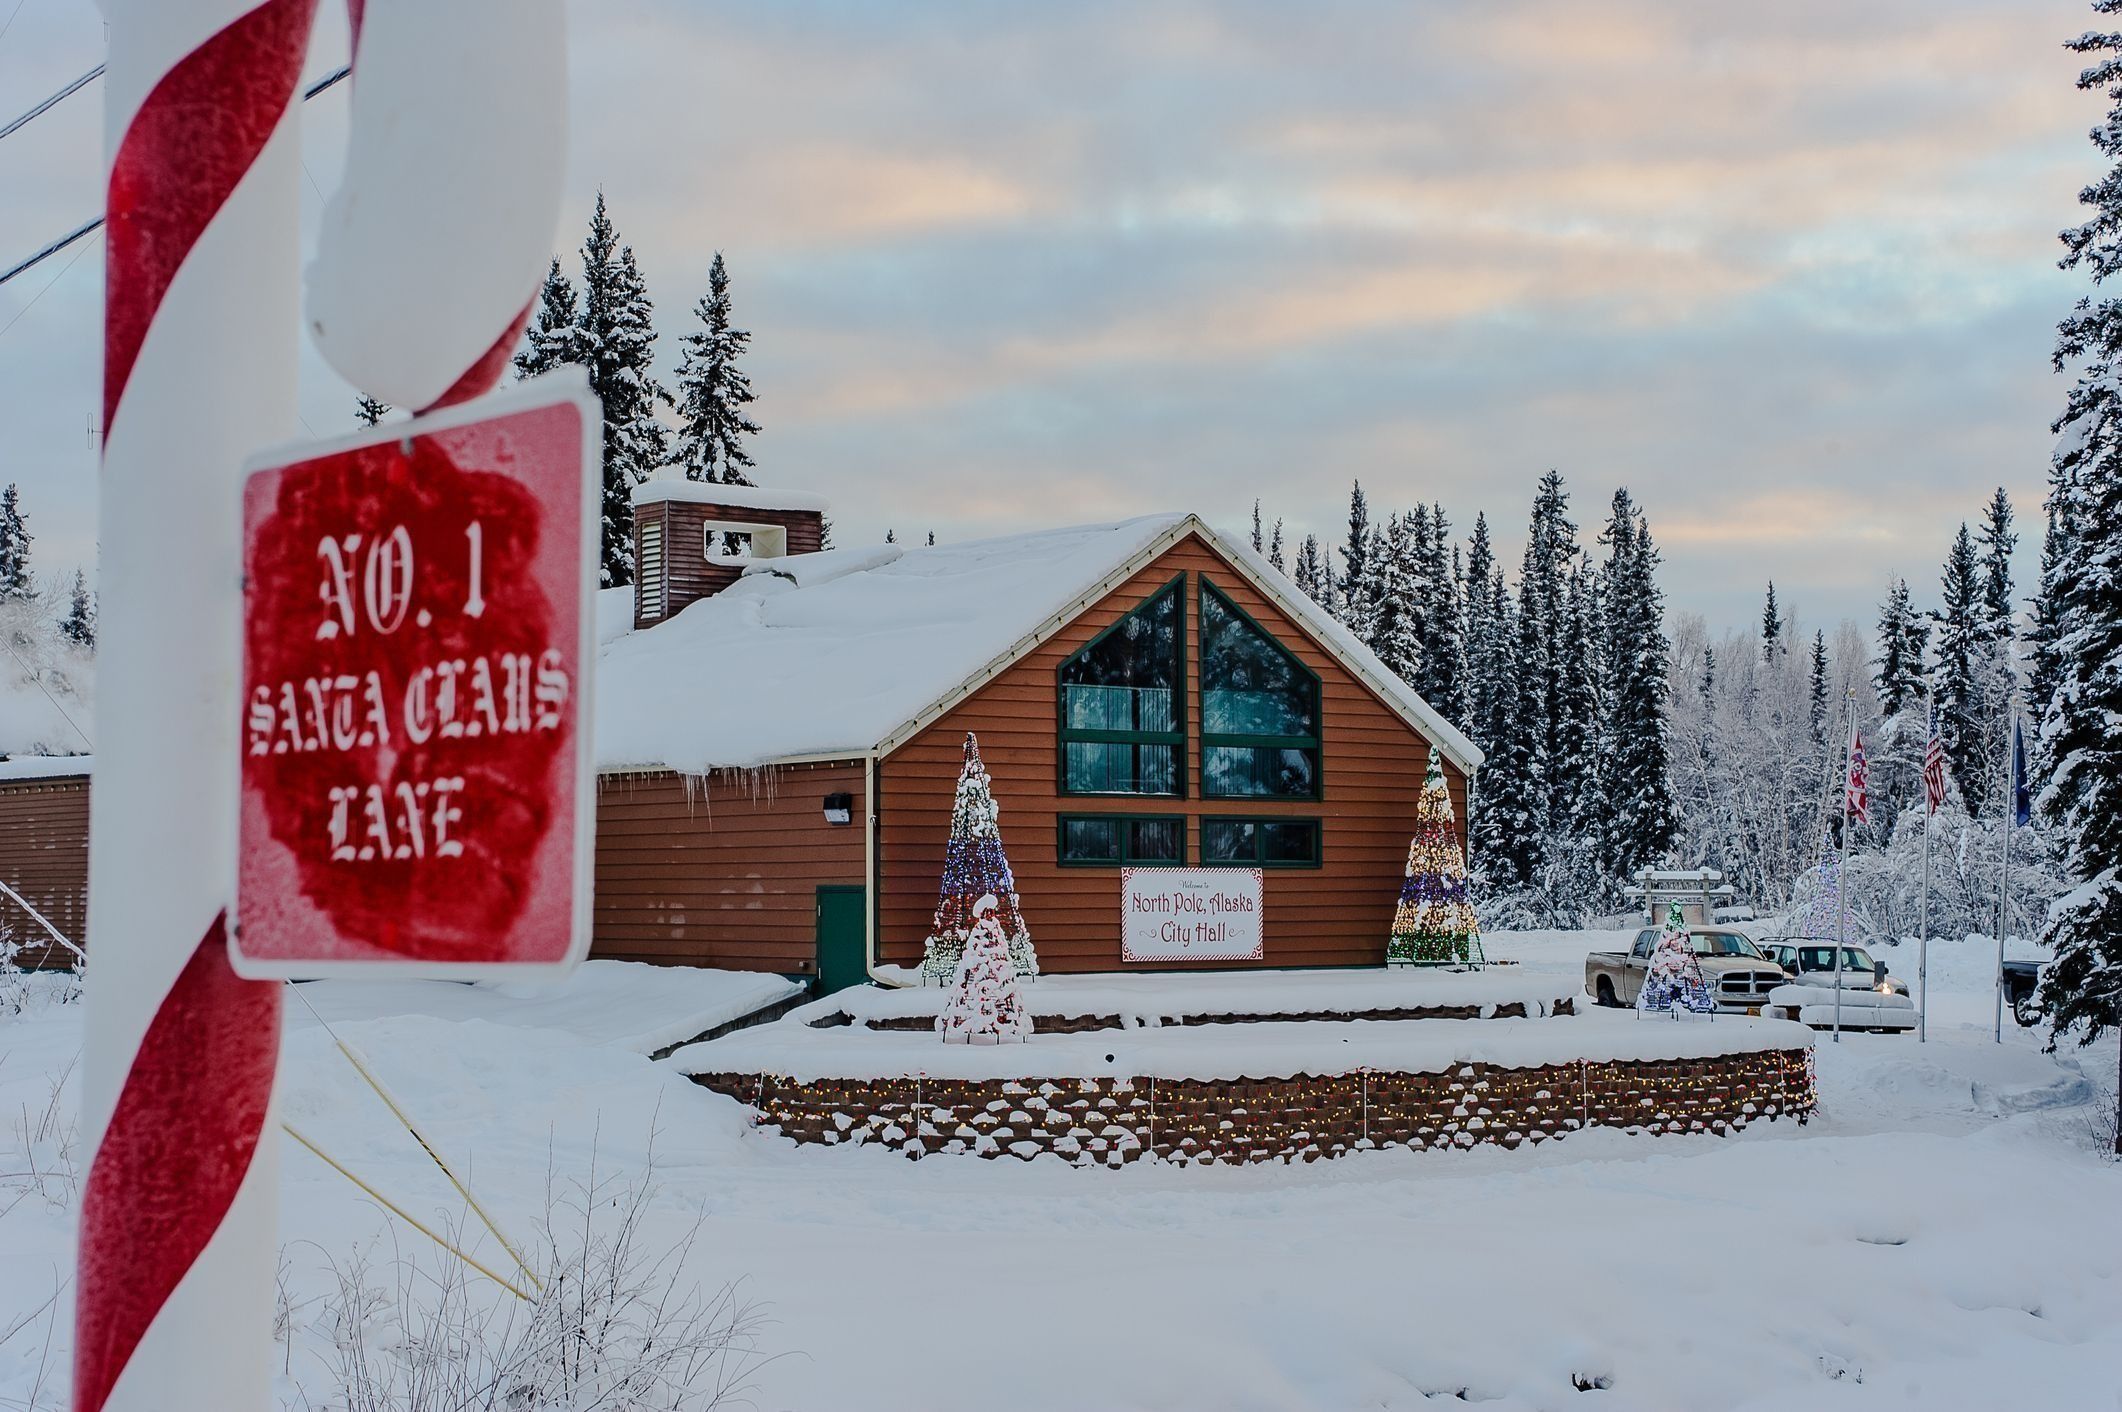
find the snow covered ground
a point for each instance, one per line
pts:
(1943, 1236)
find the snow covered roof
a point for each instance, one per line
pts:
(843, 652)
(746, 497)
(46, 767)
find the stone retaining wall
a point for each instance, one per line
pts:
(1112, 1121)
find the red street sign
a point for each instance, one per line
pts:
(419, 635)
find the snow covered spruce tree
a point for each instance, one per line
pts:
(713, 391)
(1963, 664)
(15, 584)
(612, 334)
(1674, 979)
(1356, 586)
(79, 627)
(2079, 747)
(1312, 574)
(1635, 746)
(975, 868)
(555, 335)
(1390, 621)
(1903, 639)
(1434, 924)
(986, 1005)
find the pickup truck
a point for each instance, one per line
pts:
(1739, 976)
(2021, 980)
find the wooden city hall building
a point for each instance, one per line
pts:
(780, 730)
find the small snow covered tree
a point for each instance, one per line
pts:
(1903, 639)
(1311, 573)
(2044, 631)
(713, 391)
(1674, 979)
(1998, 542)
(1259, 545)
(1771, 627)
(1274, 549)
(975, 867)
(2079, 744)
(986, 1005)
(15, 582)
(1390, 621)
(368, 411)
(1963, 656)
(1816, 691)
(555, 335)
(1434, 924)
(1356, 588)
(79, 627)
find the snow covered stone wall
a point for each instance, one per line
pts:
(1109, 1122)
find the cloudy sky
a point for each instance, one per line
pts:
(1785, 271)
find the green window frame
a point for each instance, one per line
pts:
(1260, 841)
(1074, 832)
(1256, 764)
(1118, 738)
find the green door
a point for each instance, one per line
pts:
(842, 950)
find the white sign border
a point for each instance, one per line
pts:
(1259, 951)
(567, 386)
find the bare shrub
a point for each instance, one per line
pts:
(41, 1163)
(615, 1327)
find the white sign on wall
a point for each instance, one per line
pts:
(1190, 914)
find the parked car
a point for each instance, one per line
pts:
(2021, 980)
(1811, 961)
(1739, 976)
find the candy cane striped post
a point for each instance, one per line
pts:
(174, 1300)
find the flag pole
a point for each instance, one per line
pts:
(1849, 754)
(2011, 807)
(1930, 725)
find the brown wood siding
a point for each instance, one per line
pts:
(721, 870)
(688, 574)
(1337, 914)
(44, 856)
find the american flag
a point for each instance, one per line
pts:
(1856, 798)
(1934, 767)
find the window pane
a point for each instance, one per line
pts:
(1249, 685)
(1094, 767)
(1158, 840)
(1128, 679)
(1228, 841)
(1258, 771)
(1289, 842)
(1090, 840)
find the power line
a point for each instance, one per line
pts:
(44, 291)
(73, 235)
(52, 102)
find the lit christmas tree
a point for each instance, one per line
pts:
(1674, 981)
(985, 1005)
(1820, 915)
(1435, 925)
(974, 868)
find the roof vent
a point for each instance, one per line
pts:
(692, 539)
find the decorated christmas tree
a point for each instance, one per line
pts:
(985, 1005)
(1435, 925)
(1820, 914)
(974, 868)
(1674, 980)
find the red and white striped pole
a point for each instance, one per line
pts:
(177, 1246)
(458, 177)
